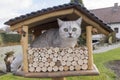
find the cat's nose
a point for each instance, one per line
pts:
(70, 34)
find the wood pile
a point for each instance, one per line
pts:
(57, 59)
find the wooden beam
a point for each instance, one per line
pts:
(24, 43)
(92, 23)
(89, 45)
(43, 17)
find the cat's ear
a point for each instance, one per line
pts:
(79, 21)
(60, 22)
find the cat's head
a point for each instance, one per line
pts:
(70, 29)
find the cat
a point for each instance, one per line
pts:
(65, 36)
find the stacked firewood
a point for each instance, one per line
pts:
(57, 59)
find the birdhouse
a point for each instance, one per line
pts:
(58, 62)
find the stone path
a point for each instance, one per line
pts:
(106, 48)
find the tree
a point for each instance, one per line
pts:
(80, 1)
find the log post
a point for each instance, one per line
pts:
(89, 45)
(61, 78)
(24, 43)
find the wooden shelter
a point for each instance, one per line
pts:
(33, 23)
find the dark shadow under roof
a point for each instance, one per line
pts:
(56, 8)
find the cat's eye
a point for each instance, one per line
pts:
(74, 29)
(65, 29)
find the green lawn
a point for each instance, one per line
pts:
(99, 59)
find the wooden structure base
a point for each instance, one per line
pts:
(92, 72)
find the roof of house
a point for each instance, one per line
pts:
(56, 8)
(109, 14)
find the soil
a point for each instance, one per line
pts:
(1, 73)
(115, 66)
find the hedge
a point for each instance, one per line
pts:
(9, 38)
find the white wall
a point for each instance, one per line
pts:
(116, 26)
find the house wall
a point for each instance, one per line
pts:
(116, 26)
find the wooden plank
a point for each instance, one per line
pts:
(89, 45)
(43, 17)
(59, 74)
(89, 21)
(24, 43)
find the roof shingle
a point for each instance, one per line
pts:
(59, 7)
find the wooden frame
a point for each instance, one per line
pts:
(89, 45)
(24, 43)
(42, 17)
(58, 75)
(29, 24)
(86, 19)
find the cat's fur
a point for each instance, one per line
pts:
(60, 37)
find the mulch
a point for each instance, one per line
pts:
(115, 66)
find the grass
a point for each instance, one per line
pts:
(100, 61)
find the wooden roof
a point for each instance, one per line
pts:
(60, 11)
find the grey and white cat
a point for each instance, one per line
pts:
(65, 36)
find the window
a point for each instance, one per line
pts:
(116, 30)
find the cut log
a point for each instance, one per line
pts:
(64, 58)
(35, 64)
(61, 68)
(65, 68)
(44, 69)
(46, 55)
(49, 69)
(30, 65)
(55, 54)
(31, 69)
(63, 63)
(84, 66)
(70, 50)
(38, 69)
(86, 52)
(47, 64)
(58, 63)
(55, 59)
(59, 57)
(30, 51)
(49, 59)
(62, 53)
(68, 63)
(55, 68)
(74, 63)
(77, 67)
(72, 68)
(51, 55)
(56, 49)
(85, 61)
(80, 62)
(76, 58)
(41, 64)
(44, 59)
(49, 51)
(52, 64)
(82, 56)
(81, 51)
(70, 58)
(35, 59)
(42, 54)
(36, 54)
